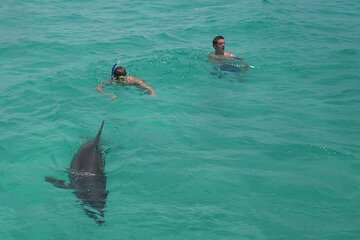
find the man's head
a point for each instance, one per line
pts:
(119, 72)
(219, 45)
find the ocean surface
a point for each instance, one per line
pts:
(271, 153)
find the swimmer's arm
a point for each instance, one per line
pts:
(243, 63)
(101, 87)
(146, 87)
(211, 57)
(142, 84)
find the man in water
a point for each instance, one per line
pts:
(119, 77)
(220, 56)
(219, 46)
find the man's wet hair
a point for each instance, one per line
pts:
(119, 71)
(216, 39)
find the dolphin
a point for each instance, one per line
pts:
(87, 178)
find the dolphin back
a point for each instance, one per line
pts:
(97, 139)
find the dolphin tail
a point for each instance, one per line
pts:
(97, 215)
(97, 139)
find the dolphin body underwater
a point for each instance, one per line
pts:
(87, 178)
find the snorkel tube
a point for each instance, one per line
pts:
(113, 68)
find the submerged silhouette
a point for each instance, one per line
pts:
(87, 178)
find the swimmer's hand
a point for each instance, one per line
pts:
(152, 93)
(100, 89)
(112, 96)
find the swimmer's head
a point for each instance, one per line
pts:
(215, 40)
(219, 45)
(119, 72)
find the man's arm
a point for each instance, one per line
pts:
(141, 84)
(101, 87)
(243, 63)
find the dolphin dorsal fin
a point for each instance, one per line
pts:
(97, 139)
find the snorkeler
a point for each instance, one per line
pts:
(221, 55)
(119, 77)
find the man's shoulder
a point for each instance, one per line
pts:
(226, 54)
(133, 80)
(213, 56)
(230, 55)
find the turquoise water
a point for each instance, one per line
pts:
(268, 154)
